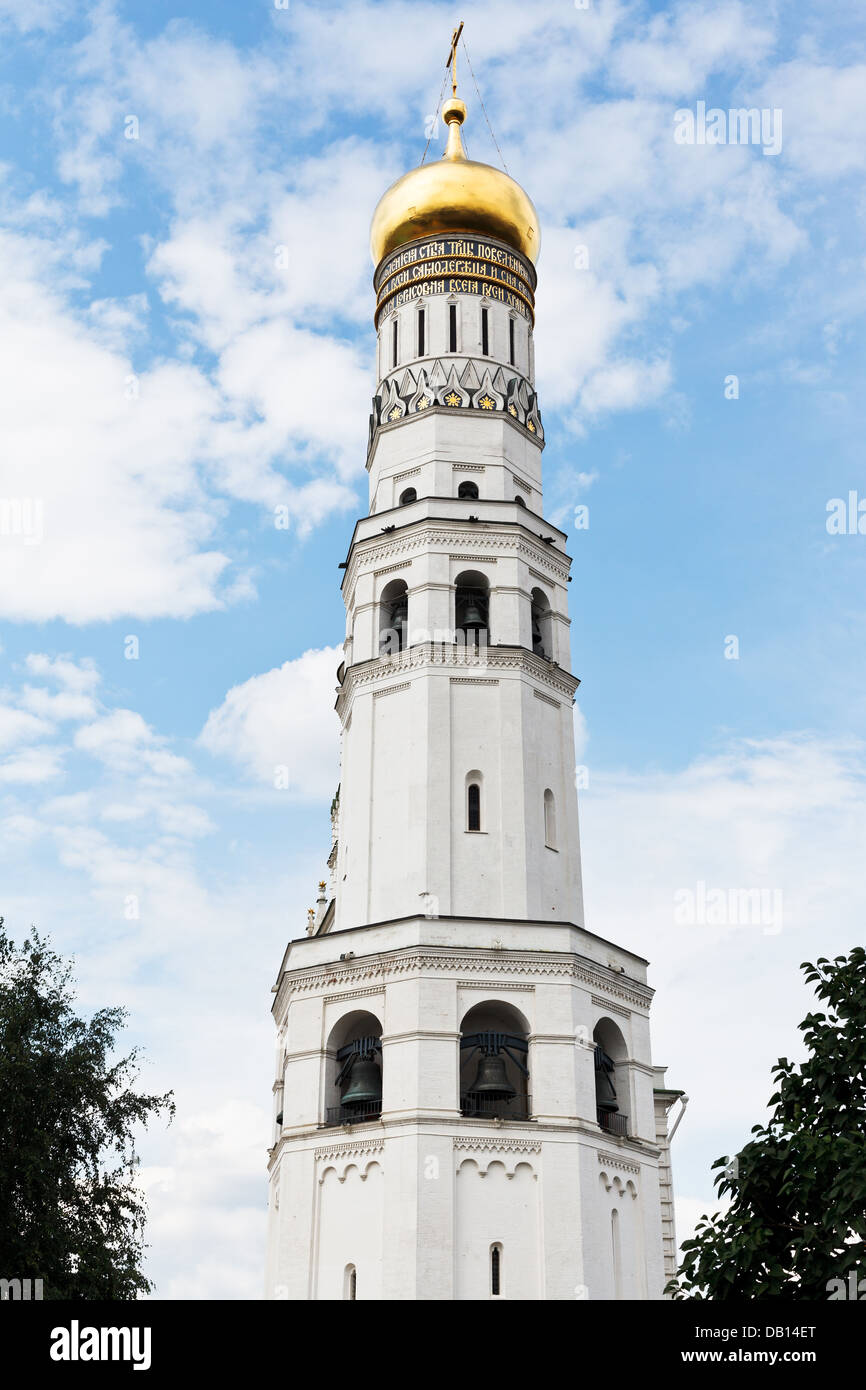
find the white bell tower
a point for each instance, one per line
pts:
(465, 1103)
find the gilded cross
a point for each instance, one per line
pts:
(451, 60)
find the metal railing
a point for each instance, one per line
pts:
(352, 1114)
(481, 1107)
(613, 1122)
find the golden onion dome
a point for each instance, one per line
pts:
(455, 194)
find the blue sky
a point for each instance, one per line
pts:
(166, 386)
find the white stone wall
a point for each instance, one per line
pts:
(430, 453)
(412, 734)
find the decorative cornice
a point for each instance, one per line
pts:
(404, 564)
(434, 534)
(482, 559)
(354, 1149)
(354, 994)
(391, 689)
(614, 1161)
(502, 984)
(510, 1146)
(440, 654)
(542, 964)
(606, 1004)
(636, 994)
(557, 704)
(473, 680)
(469, 467)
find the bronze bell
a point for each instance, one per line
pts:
(537, 639)
(605, 1089)
(473, 618)
(365, 1083)
(492, 1080)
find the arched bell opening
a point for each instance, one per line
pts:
(468, 491)
(494, 1063)
(471, 609)
(354, 1070)
(611, 1077)
(393, 617)
(541, 630)
(408, 495)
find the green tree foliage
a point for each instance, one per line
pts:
(797, 1218)
(70, 1211)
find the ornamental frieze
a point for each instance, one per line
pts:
(614, 1161)
(563, 967)
(456, 385)
(371, 552)
(359, 1149)
(501, 1146)
(426, 654)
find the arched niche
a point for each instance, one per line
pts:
(542, 634)
(355, 1029)
(471, 608)
(611, 1077)
(393, 617)
(494, 1061)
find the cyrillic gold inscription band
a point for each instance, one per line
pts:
(456, 265)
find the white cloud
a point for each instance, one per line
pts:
(824, 113)
(283, 719)
(681, 48)
(17, 726)
(781, 814)
(125, 525)
(126, 743)
(64, 705)
(30, 15)
(40, 764)
(75, 676)
(189, 822)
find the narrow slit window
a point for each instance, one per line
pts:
(473, 807)
(394, 345)
(495, 1270)
(485, 333)
(452, 327)
(420, 332)
(549, 820)
(511, 341)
